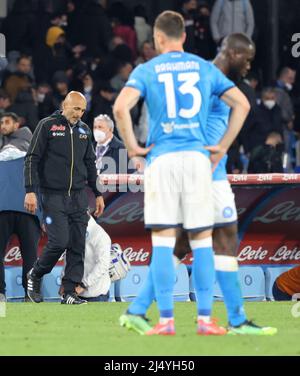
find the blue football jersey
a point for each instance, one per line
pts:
(217, 124)
(177, 88)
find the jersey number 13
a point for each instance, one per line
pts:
(189, 80)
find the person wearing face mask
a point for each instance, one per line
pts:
(111, 155)
(266, 119)
(188, 11)
(284, 86)
(204, 44)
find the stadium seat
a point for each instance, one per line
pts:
(13, 280)
(252, 280)
(51, 283)
(271, 274)
(181, 288)
(127, 289)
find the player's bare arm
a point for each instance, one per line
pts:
(240, 108)
(126, 100)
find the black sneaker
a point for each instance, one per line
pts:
(34, 287)
(72, 299)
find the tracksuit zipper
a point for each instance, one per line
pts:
(72, 161)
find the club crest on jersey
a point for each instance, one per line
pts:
(58, 128)
(228, 212)
(81, 130)
(168, 127)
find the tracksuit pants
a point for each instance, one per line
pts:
(27, 228)
(66, 221)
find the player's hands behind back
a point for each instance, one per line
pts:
(217, 152)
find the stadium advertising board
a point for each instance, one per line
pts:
(269, 217)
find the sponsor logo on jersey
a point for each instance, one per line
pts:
(56, 128)
(58, 134)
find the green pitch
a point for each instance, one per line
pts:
(93, 329)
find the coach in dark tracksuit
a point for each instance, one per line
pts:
(59, 161)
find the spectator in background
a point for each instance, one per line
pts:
(119, 81)
(266, 119)
(267, 158)
(231, 16)
(123, 26)
(44, 100)
(111, 155)
(5, 102)
(18, 85)
(188, 11)
(13, 219)
(21, 78)
(284, 85)
(18, 27)
(59, 51)
(147, 53)
(142, 28)
(61, 88)
(103, 101)
(248, 87)
(93, 28)
(204, 44)
(87, 90)
(13, 135)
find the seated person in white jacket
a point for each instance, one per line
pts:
(103, 264)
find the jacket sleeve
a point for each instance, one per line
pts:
(214, 20)
(90, 163)
(34, 154)
(249, 20)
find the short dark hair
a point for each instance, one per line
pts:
(12, 115)
(171, 23)
(238, 42)
(27, 57)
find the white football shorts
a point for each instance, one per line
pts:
(178, 192)
(224, 204)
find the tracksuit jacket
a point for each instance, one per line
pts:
(61, 158)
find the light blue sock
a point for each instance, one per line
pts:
(144, 299)
(203, 273)
(163, 274)
(227, 276)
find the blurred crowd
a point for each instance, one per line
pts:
(54, 46)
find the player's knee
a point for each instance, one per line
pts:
(182, 246)
(225, 241)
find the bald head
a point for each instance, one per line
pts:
(74, 106)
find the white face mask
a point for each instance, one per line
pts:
(88, 88)
(99, 136)
(269, 103)
(289, 86)
(40, 97)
